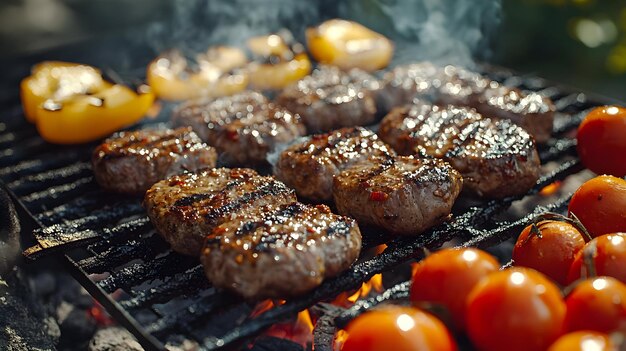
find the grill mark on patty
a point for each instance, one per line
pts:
(122, 150)
(193, 198)
(268, 219)
(331, 143)
(273, 188)
(381, 168)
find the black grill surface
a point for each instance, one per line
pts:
(111, 247)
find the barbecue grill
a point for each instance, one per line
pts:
(108, 244)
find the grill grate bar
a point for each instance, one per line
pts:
(56, 195)
(159, 268)
(182, 284)
(142, 248)
(41, 181)
(182, 319)
(89, 226)
(42, 163)
(75, 209)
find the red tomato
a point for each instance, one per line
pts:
(597, 304)
(602, 140)
(600, 204)
(515, 309)
(447, 276)
(584, 341)
(552, 251)
(606, 255)
(399, 329)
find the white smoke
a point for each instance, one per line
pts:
(443, 31)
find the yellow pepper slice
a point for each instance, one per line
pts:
(71, 103)
(280, 65)
(84, 118)
(347, 44)
(172, 79)
(57, 80)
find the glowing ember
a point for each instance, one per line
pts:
(551, 188)
(380, 248)
(98, 313)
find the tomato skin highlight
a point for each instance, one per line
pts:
(551, 254)
(517, 309)
(600, 204)
(602, 140)
(597, 304)
(606, 254)
(447, 276)
(399, 329)
(583, 341)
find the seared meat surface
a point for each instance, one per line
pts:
(281, 253)
(403, 195)
(243, 127)
(186, 208)
(309, 166)
(457, 86)
(330, 99)
(496, 158)
(132, 162)
(531, 111)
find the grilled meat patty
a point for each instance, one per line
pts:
(457, 86)
(132, 162)
(496, 158)
(186, 208)
(403, 195)
(243, 127)
(309, 166)
(330, 99)
(281, 253)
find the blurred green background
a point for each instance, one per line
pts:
(576, 42)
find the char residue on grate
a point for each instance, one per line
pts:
(159, 295)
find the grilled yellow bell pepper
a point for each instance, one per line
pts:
(279, 61)
(71, 103)
(172, 79)
(347, 44)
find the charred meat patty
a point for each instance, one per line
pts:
(330, 99)
(242, 127)
(309, 166)
(132, 162)
(281, 253)
(186, 208)
(495, 157)
(458, 86)
(403, 195)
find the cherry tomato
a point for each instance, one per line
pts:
(447, 276)
(602, 142)
(597, 304)
(584, 341)
(604, 255)
(600, 204)
(399, 329)
(514, 309)
(551, 250)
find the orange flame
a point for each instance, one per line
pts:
(551, 188)
(380, 248)
(346, 299)
(340, 339)
(265, 306)
(300, 331)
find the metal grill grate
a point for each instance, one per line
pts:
(111, 247)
